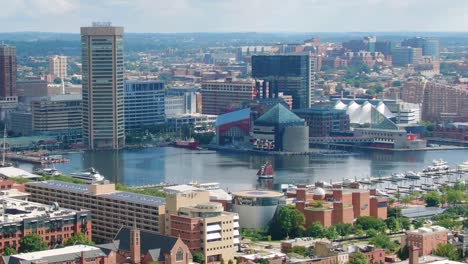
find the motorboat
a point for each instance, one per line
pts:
(412, 175)
(438, 166)
(90, 176)
(47, 172)
(396, 177)
(463, 166)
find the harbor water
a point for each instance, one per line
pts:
(237, 171)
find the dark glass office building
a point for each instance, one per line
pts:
(290, 74)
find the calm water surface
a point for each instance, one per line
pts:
(237, 171)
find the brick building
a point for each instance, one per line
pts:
(54, 224)
(427, 239)
(338, 205)
(220, 96)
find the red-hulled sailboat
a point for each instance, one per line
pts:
(266, 171)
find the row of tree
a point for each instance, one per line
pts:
(33, 242)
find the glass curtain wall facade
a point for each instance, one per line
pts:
(289, 74)
(144, 104)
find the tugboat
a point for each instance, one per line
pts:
(90, 176)
(266, 171)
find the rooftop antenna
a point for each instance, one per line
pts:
(63, 86)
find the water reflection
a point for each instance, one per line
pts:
(237, 171)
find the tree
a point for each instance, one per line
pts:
(58, 81)
(396, 84)
(394, 212)
(406, 199)
(383, 241)
(393, 224)
(301, 250)
(432, 199)
(447, 250)
(9, 251)
(331, 233)
(455, 196)
(370, 222)
(358, 258)
(32, 242)
(288, 222)
(403, 253)
(78, 238)
(198, 257)
(405, 223)
(230, 261)
(344, 230)
(316, 230)
(222, 261)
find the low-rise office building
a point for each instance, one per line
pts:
(54, 224)
(57, 115)
(202, 225)
(219, 96)
(144, 104)
(111, 209)
(324, 120)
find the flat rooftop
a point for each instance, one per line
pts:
(15, 210)
(38, 255)
(259, 194)
(117, 195)
(12, 172)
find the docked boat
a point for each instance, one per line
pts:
(190, 143)
(438, 166)
(412, 175)
(266, 172)
(47, 172)
(90, 176)
(463, 166)
(396, 177)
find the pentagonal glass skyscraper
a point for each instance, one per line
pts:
(103, 86)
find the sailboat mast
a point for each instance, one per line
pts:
(4, 148)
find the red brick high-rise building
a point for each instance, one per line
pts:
(7, 71)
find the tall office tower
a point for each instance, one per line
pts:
(290, 74)
(384, 46)
(58, 66)
(406, 55)
(144, 104)
(103, 86)
(7, 71)
(429, 46)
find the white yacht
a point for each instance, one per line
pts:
(48, 171)
(438, 166)
(412, 175)
(90, 176)
(396, 177)
(463, 166)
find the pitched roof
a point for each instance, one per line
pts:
(278, 114)
(150, 242)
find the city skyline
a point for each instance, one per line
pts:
(235, 16)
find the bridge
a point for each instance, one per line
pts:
(328, 140)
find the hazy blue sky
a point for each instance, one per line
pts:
(236, 15)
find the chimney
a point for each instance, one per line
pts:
(413, 255)
(135, 246)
